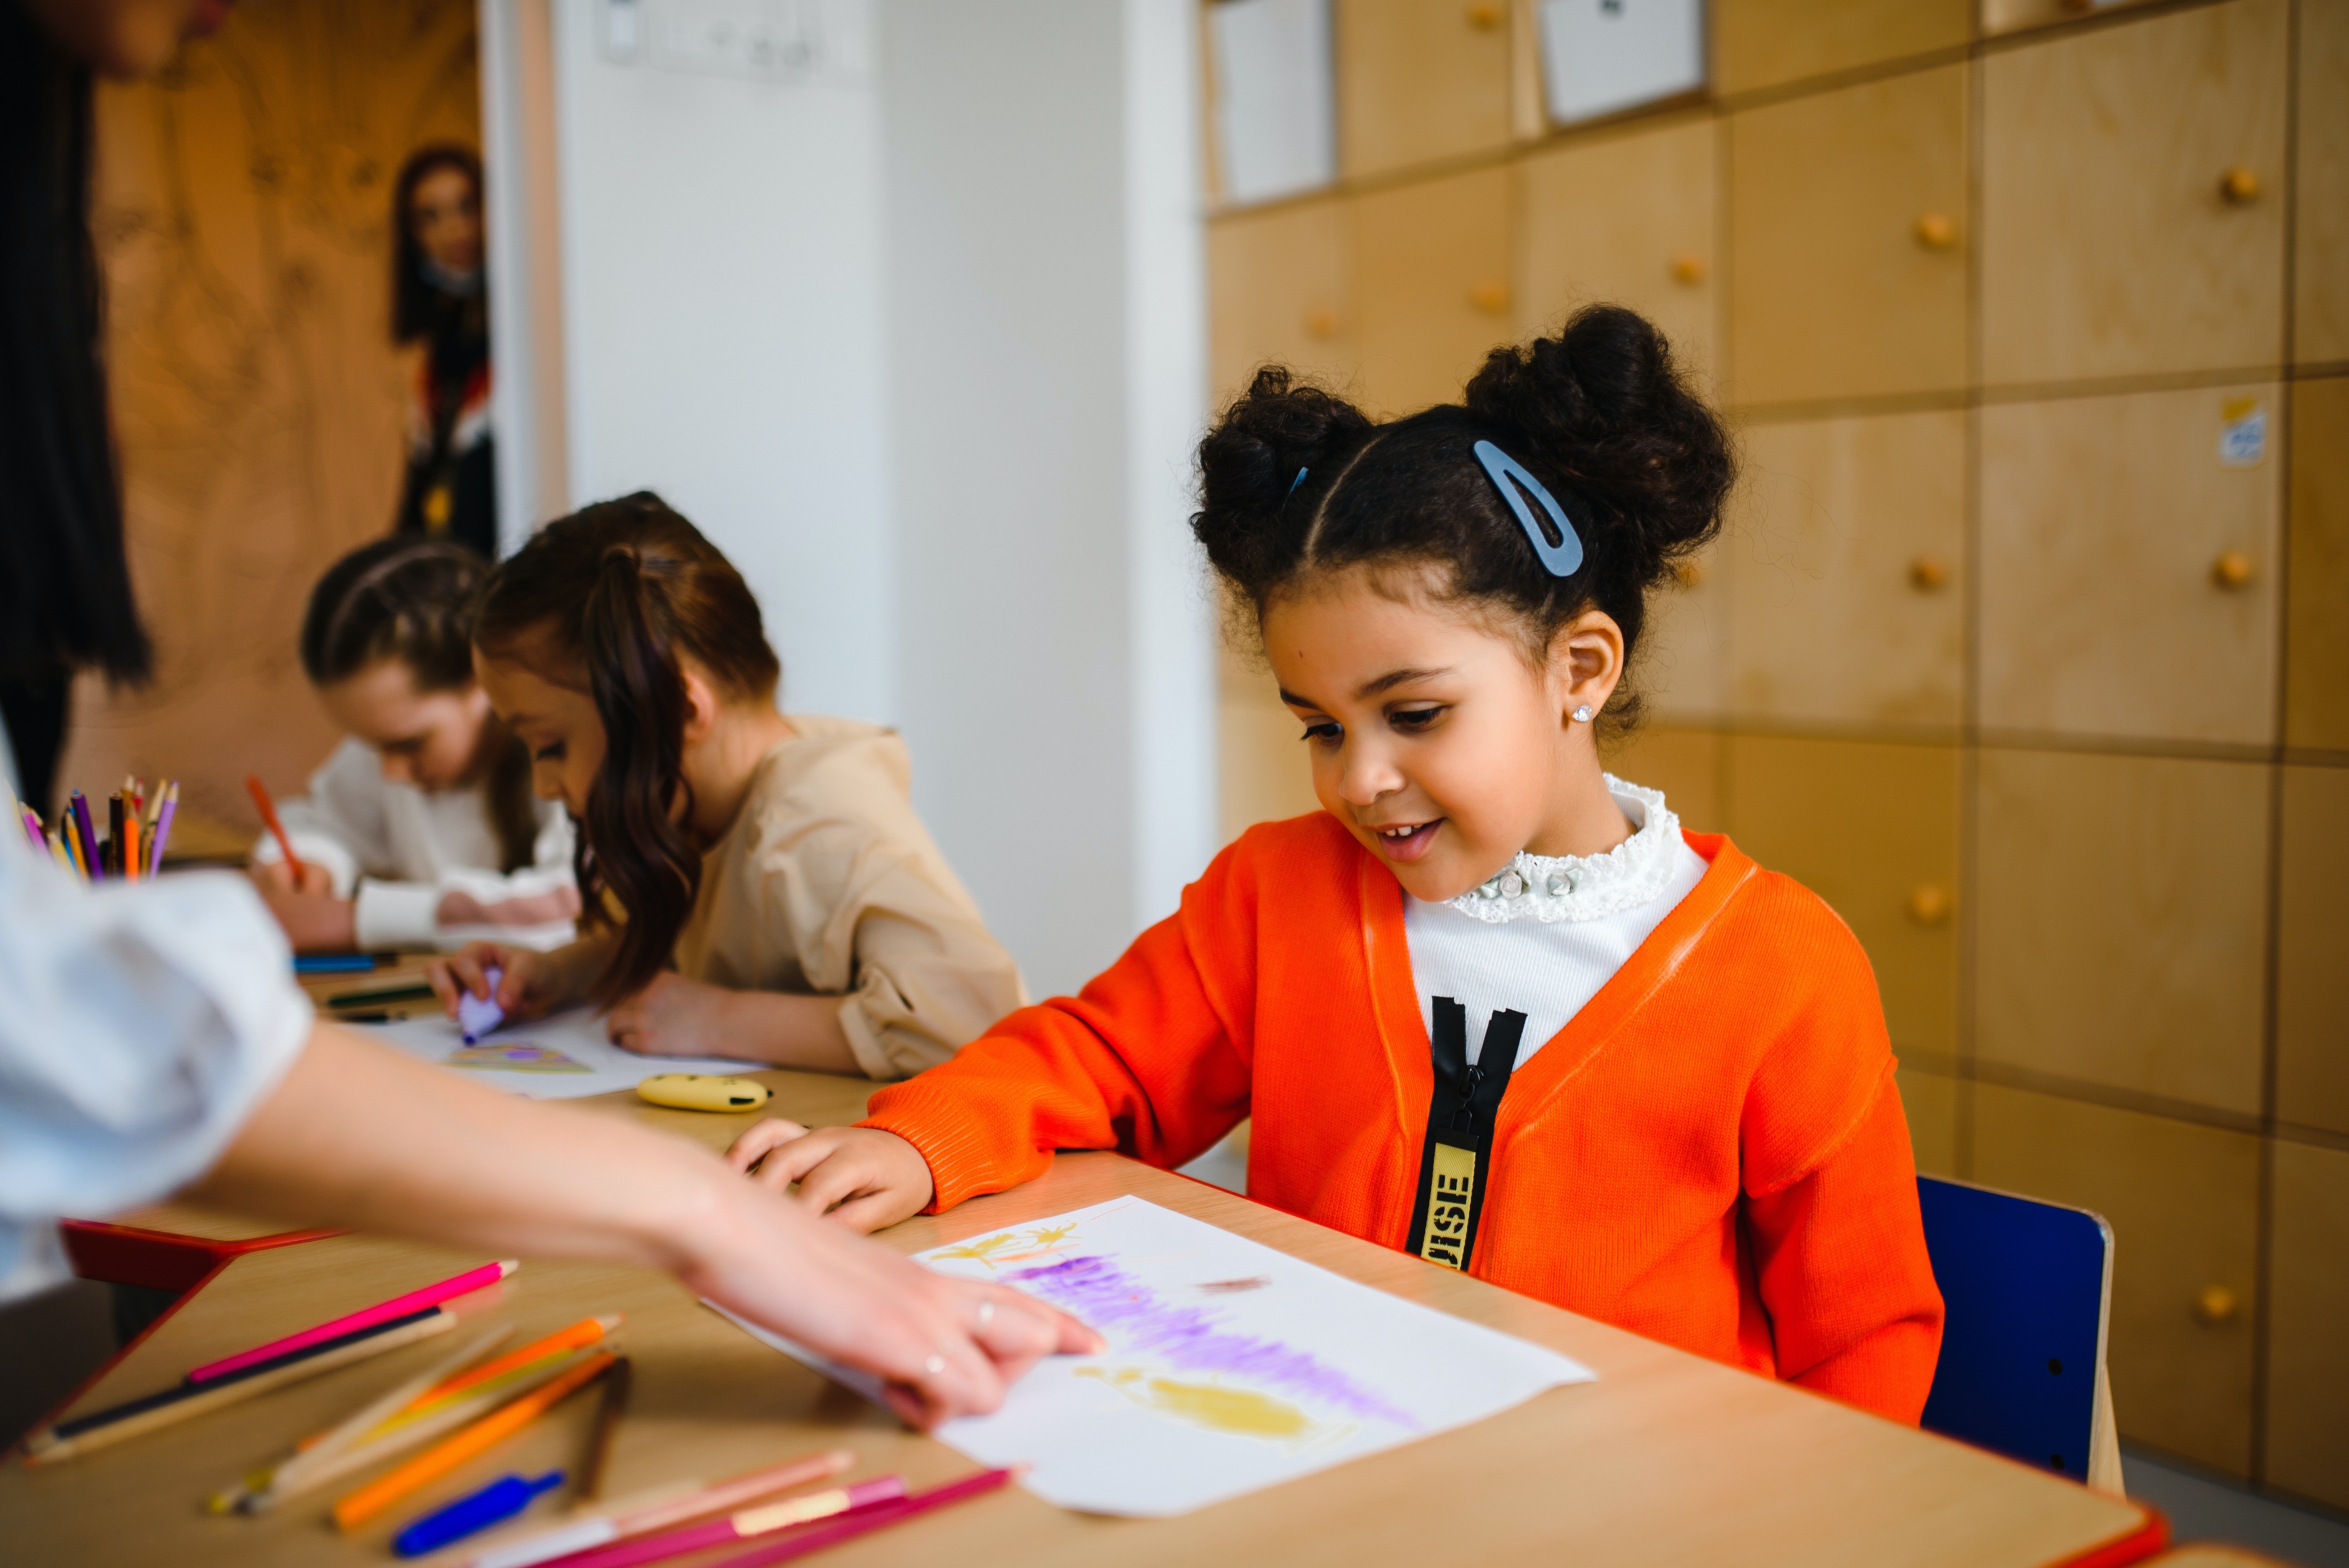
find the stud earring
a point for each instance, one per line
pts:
(1582, 714)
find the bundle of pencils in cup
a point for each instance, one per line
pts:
(138, 825)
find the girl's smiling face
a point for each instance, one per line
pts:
(1433, 738)
(558, 722)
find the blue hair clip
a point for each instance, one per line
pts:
(1562, 556)
(1298, 480)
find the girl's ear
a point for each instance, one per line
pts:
(701, 704)
(1586, 662)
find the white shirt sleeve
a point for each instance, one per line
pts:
(142, 1024)
(339, 824)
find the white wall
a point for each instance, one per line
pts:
(924, 356)
(1046, 332)
(721, 272)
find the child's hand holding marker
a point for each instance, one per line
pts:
(491, 983)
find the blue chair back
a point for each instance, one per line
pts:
(2025, 1286)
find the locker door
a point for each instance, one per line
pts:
(1762, 43)
(1419, 80)
(1433, 270)
(1266, 774)
(2312, 943)
(1929, 1102)
(2308, 1303)
(1281, 289)
(2111, 244)
(1848, 257)
(2128, 560)
(1685, 764)
(1622, 219)
(2121, 922)
(2321, 204)
(1873, 829)
(2316, 662)
(1849, 535)
(2183, 1202)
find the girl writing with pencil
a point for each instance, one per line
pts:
(421, 827)
(782, 900)
(1490, 1006)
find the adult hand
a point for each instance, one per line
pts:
(860, 1176)
(530, 982)
(277, 877)
(674, 1017)
(314, 923)
(943, 1347)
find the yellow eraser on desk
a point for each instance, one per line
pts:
(700, 1091)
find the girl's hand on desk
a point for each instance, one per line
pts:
(531, 983)
(860, 1176)
(314, 923)
(674, 1017)
(274, 876)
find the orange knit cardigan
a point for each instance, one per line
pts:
(1711, 1153)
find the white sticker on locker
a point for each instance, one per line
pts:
(2242, 433)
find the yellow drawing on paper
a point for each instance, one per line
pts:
(1040, 1241)
(1239, 1412)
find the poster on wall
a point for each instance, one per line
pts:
(1603, 56)
(1275, 127)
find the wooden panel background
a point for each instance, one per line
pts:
(243, 215)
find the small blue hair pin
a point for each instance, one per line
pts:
(1559, 547)
(1298, 480)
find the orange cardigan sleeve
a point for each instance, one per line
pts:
(1140, 1061)
(1830, 1185)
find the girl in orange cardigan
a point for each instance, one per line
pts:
(1491, 1006)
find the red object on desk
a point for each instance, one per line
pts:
(277, 829)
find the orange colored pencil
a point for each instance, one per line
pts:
(260, 792)
(437, 1461)
(586, 1331)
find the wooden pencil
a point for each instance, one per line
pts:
(433, 1463)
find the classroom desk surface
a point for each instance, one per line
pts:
(1667, 1460)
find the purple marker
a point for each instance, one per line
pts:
(476, 1016)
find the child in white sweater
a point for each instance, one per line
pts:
(419, 831)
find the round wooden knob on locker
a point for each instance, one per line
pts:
(1489, 296)
(1929, 904)
(1688, 267)
(1935, 231)
(2215, 1304)
(2239, 185)
(1929, 573)
(2231, 570)
(1484, 17)
(1321, 323)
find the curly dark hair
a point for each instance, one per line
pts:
(608, 599)
(1599, 414)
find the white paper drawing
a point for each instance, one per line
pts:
(600, 1066)
(1231, 1366)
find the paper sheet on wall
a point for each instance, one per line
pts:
(1231, 1367)
(564, 1056)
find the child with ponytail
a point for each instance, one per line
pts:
(756, 885)
(1491, 1006)
(420, 826)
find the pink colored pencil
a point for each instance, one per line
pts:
(863, 1522)
(763, 1519)
(398, 1306)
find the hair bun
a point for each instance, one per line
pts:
(1603, 404)
(1249, 464)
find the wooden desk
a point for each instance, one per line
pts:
(1667, 1460)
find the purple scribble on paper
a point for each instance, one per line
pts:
(1098, 1292)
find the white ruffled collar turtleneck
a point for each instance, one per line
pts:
(1553, 888)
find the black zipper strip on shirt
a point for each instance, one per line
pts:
(1455, 1163)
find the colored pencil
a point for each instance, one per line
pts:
(334, 963)
(33, 828)
(109, 1427)
(163, 822)
(744, 1525)
(599, 1530)
(86, 841)
(434, 1462)
(382, 993)
(259, 793)
(57, 851)
(598, 1463)
(118, 862)
(481, 1397)
(398, 1306)
(864, 1520)
(572, 1336)
(264, 1489)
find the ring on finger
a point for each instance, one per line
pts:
(935, 1365)
(986, 1313)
